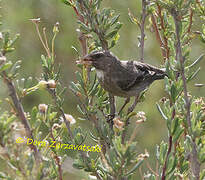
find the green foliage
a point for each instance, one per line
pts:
(179, 158)
(92, 19)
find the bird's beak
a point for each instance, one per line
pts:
(86, 60)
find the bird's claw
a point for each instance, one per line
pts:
(110, 118)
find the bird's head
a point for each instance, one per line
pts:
(98, 59)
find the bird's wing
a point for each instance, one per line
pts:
(131, 75)
(148, 67)
(137, 73)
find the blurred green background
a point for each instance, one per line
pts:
(16, 15)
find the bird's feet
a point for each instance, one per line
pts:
(132, 107)
(110, 118)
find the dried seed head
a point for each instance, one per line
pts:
(78, 94)
(42, 108)
(118, 124)
(143, 156)
(199, 101)
(177, 174)
(163, 100)
(141, 117)
(51, 84)
(55, 126)
(35, 20)
(69, 118)
(2, 60)
(1, 36)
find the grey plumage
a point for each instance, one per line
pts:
(122, 78)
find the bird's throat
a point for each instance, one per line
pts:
(100, 74)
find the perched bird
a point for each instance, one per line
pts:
(122, 78)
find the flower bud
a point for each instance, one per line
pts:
(56, 28)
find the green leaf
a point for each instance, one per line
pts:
(67, 2)
(2, 175)
(157, 152)
(15, 67)
(114, 41)
(172, 164)
(118, 26)
(79, 78)
(10, 49)
(131, 115)
(13, 41)
(135, 167)
(80, 109)
(44, 61)
(177, 134)
(133, 19)
(111, 34)
(6, 38)
(175, 124)
(196, 61)
(5, 66)
(52, 115)
(114, 19)
(84, 27)
(74, 87)
(161, 112)
(193, 75)
(173, 92)
(34, 113)
(163, 152)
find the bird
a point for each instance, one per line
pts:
(122, 78)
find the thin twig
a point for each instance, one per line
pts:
(53, 45)
(190, 21)
(158, 36)
(58, 161)
(21, 114)
(140, 171)
(41, 39)
(127, 121)
(164, 30)
(84, 156)
(67, 123)
(195, 165)
(132, 137)
(45, 37)
(142, 26)
(167, 157)
(149, 167)
(169, 148)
